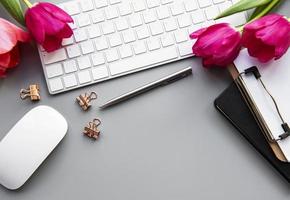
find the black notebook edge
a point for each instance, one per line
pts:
(268, 155)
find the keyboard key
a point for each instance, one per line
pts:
(101, 43)
(55, 84)
(80, 35)
(84, 76)
(237, 19)
(197, 16)
(153, 44)
(94, 31)
(184, 20)
(67, 41)
(167, 40)
(128, 36)
(108, 27)
(149, 16)
(53, 70)
(224, 6)
(139, 47)
(111, 12)
(148, 59)
(163, 12)
(211, 12)
(185, 49)
(70, 81)
(73, 51)
(125, 51)
(177, 9)
(83, 20)
(152, 3)
(115, 40)
(86, 5)
(218, 1)
(101, 3)
(97, 16)
(121, 24)
(55, 56)
(84, 62)
(138, 6)
(70, 66)
(181, 36)
(100, 72)
(72, 8)
(163, 2)
(142, 32)
(125, 9)
(98, 59)
(190, 5)
(135, 20)
(114, 1)
(156, 28)
(204, 3)
(87, 47)
(170, 25)
(112, 55)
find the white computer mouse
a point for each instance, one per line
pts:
(28, 143)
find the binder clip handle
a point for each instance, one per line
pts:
(287, 131)
(93, 96)
(24, 93)
(254, 70)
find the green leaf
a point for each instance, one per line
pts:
(242, 6)
(15, 10)
(264, 10)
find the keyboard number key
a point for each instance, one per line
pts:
(98, 59)
(73, 51)
(100, 72)
(84, 77)
(70, 81)
(70, 66)
(55, 84)
(54, 70)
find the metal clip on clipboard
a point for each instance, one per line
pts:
(254, 71)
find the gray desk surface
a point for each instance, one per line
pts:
(169, 144)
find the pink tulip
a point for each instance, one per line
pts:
(10, 35)
(267, 37)
(48, 24)
(218, 45)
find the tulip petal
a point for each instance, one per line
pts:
(66, 32)
(52, 43)
(51, 25)
(5, 60)
(264, 21)
(34, 23)
(56, 12)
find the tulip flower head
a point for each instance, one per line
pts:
(218, 45)
(267, 38)
(10, 36)
(48, 24)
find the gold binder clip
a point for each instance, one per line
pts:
(32, 92)
(84, 100)
(91, 130)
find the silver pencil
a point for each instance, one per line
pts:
(160, 82)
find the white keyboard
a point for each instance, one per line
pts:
(116, 37)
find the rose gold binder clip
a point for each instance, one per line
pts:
(32, 92)
(84, 100)
(91, 130)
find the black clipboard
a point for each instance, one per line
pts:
(231, 104)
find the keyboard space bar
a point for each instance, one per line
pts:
(144, 60)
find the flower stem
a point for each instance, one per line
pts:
(27, 3)
(266, 10)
